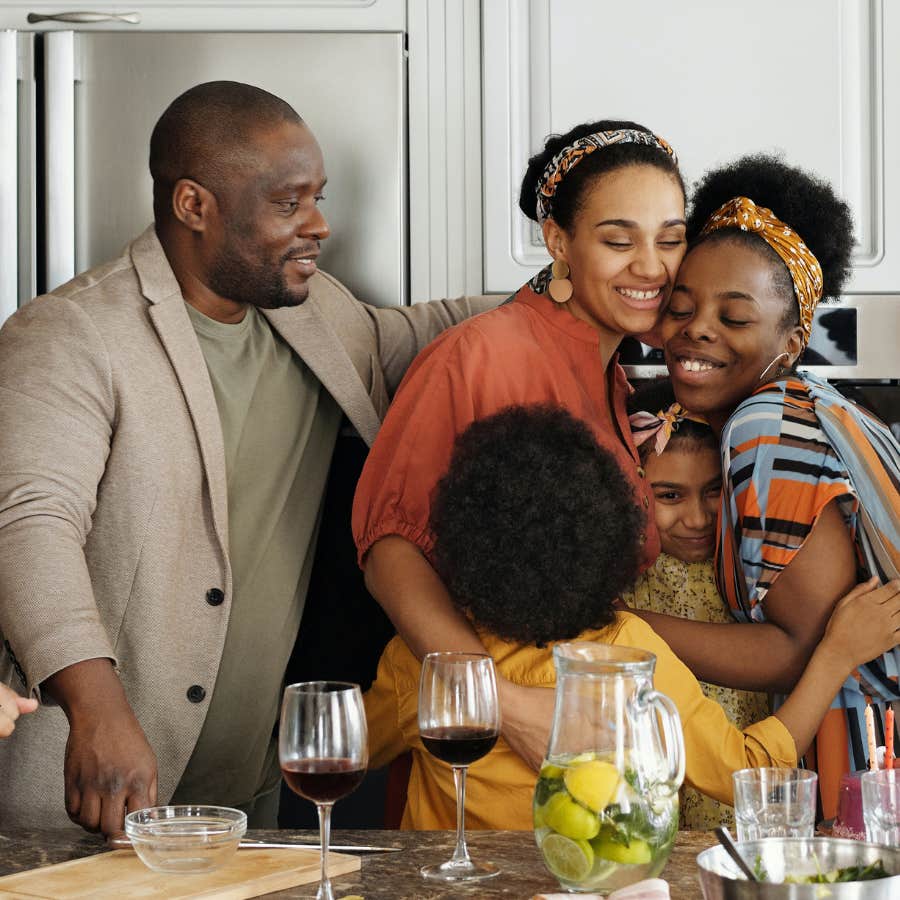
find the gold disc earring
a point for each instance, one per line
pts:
(560, 288)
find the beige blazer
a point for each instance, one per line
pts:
(113, 511)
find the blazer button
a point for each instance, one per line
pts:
(196, 694)
(215, 597)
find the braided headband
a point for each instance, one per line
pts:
(806, 273)
(570, 156)
(645, 425)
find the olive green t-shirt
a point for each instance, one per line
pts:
(279, 426)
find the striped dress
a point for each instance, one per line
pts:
(787, 451)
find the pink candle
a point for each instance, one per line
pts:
(870, 736)
(889, 738)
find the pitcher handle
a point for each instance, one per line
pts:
(671, 724)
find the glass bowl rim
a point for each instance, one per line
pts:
(144, 824)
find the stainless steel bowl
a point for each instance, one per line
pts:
(721, 879)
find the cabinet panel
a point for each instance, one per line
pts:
(806, 78)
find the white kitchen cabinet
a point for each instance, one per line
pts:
(813, 79)
(434, 177)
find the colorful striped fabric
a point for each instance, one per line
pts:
(787, 451)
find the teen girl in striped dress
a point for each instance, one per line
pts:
(811, 482)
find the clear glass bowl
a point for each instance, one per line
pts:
(185, 839)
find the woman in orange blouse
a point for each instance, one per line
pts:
(610, 201)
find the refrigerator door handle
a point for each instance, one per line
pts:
(59, 213)
(86, 18)
(9, 245)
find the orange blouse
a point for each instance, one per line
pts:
(526, 351)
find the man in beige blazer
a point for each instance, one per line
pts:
(117, 583)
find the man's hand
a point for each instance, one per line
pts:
(110, 767)
(526, 713)
(11, 707)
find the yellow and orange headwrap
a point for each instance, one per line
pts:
(806, 273)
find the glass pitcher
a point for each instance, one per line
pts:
(606, 800)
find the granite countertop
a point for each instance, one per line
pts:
(384, 876)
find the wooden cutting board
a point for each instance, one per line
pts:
(112, 876)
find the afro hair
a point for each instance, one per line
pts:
(802, 200)
(536, 528)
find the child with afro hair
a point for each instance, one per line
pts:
(536, 533)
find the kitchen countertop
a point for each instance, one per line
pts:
(384, 876)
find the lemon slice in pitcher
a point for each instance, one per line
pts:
(567, 859)
(564, 815)
(637, 853)
(593, 783)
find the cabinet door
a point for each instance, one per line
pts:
(806, 78)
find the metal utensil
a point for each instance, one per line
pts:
(120, 842)
(725, 839)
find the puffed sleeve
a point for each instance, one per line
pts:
(780, 473)
(451, 383)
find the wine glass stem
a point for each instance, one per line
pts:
(461, 853)
(324, 892)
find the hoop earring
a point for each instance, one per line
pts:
(560, 288)
(769, 366)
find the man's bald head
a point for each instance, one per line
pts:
(206, 135)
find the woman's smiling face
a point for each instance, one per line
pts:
(723, 327)
(623, 249)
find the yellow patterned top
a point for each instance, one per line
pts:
(689, 590)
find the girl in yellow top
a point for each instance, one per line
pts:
(680, 456)
(536, 534)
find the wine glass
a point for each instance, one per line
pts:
(459, 722)
(323, 749)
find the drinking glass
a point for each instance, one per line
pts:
(459, 722)
(881, 806)
(323, 749)
(774, 803)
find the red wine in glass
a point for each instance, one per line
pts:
(323, 780)
(459, 722)
(459, 745)
(323, 750)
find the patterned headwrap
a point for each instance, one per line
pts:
(806, 273)
(645, 425)
(570, 156)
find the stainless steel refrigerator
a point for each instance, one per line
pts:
(77, 109)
